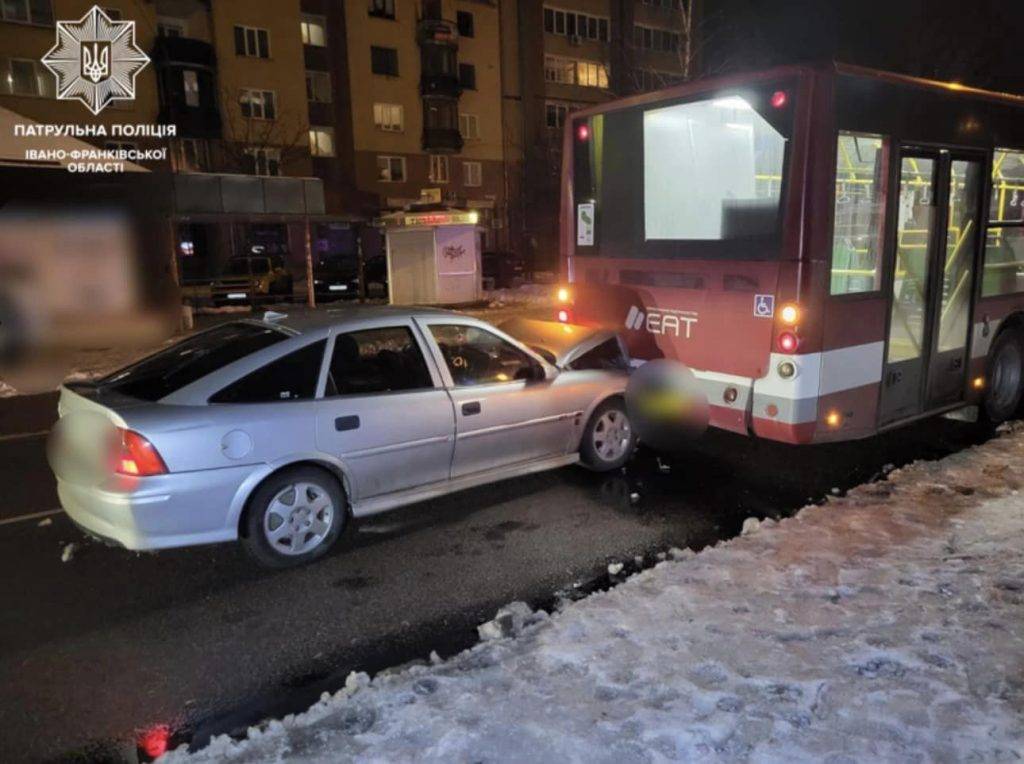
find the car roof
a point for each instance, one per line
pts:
(307, 321)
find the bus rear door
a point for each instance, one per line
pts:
(931, 273)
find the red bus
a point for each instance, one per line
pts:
(833, 251)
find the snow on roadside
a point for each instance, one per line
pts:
(883, 625)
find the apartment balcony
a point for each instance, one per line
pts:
(437, 32)
(183, 50)
(442, 140)
(440, 85)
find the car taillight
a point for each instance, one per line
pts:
(136, 456)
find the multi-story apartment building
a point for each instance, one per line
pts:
(568, 54)
(408, 94)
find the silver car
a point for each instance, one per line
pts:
(276, 431)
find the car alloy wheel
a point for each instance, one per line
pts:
(299, 518)
(612, 435)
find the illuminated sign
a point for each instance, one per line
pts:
(441, 218)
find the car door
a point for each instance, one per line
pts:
(385, 413)
(506, 410)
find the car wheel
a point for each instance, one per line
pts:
(294, 517)
(608, 439)
(1005, 378)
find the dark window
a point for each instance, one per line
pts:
(467, 76)
(549, 20)
(377, 361)
(602, 26)
(477, 357)
(464, 19)
(290, 378)
(384, 9)
(193, 358)
(253, 42)
(384, 60)
(440, 114)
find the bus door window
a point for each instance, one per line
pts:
(1004, 246)
(913, 240)
(961, 247)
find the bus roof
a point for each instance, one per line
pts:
(724, 81)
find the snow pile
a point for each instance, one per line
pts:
(6, 391)
(883, 625)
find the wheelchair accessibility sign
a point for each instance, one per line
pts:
(764, 305)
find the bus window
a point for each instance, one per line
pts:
(1004, 244)
(700, 179)
(858, 228)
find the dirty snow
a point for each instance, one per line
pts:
(884, 625)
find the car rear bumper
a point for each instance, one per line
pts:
(180, 509)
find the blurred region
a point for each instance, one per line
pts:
(666, 405)
(85, 264)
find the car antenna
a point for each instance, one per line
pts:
(272, 316)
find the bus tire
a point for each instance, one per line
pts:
(609, 438)
(1004, 377)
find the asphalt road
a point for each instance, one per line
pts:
(109, 643)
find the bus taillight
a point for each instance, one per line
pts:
(564, 294)
(583, 131)
(779, 99)
(790, 314)
(564, 316)
(788, 342)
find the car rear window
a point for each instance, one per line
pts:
(292, 377)
(193, 358)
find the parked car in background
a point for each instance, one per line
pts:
(504, 270)
(249, 280)
(276, 431)
(336, 277)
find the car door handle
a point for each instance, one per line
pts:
(343, 423)
(471, 408)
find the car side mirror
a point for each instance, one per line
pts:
(534, 372)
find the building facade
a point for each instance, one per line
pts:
(566, 55)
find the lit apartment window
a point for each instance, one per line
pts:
(389, 117)
(576, 25)
(390, 169)
(464, 21)
(439, 168)
(384, 9)
(318, 87)
(321, 141)
(467, 76)
(28, 78)
(190, 80)
(555, 114)
(258, 104)
(266, 162)
(253, 42)
(168, 27)
(472, 173)
(570, 71)
(651, 38)
(469, 126)
(28, 11)
(384, 61)
(314, 30)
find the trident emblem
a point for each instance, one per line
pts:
(96, 60)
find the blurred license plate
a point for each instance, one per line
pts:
(236, 295)
(338, 287)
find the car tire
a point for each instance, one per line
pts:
(294, 517)
(1004, 379)
(608, 439)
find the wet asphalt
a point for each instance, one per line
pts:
(97, 649)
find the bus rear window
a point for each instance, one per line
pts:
(701, 178)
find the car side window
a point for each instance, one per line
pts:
(477, 357)
(377, 361)
(290, 378)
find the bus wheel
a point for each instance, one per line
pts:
(1005, 375)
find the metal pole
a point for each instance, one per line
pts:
(361, 264)
(310, 292)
